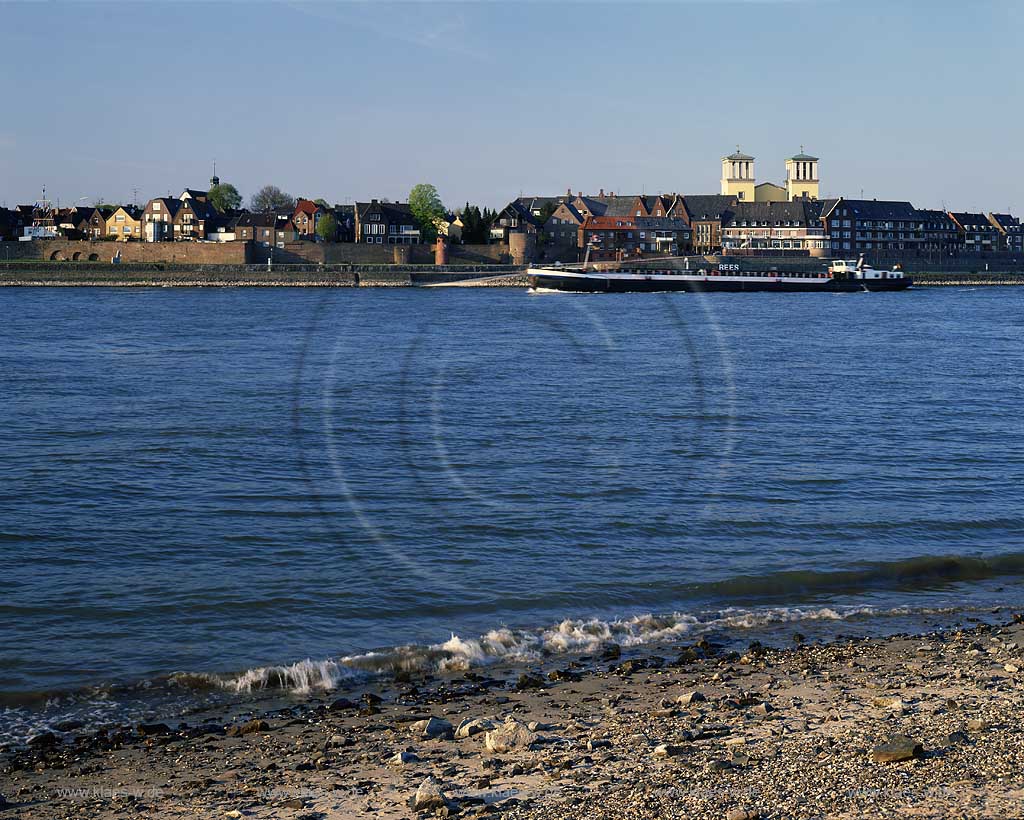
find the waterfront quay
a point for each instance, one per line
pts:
(98, 274)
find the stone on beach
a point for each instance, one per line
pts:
(898, 749)
(432, 727)
(248, 728)
(668, 750)
(473, 726)
(429, 796)
(528, 681)
(509, 737)
(690, 698)
(741, 814)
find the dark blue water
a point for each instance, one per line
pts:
(214, 481)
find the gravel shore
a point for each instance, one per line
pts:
(923, 726)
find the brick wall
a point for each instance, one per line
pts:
(240, 253)
(359, 253)
(179, 253)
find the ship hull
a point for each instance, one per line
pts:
(597, 283)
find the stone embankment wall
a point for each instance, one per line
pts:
(37, 273)
(241, 253)
(60, 251)
(349, 253)
(966, 279)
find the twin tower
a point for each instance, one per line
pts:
(801, 179)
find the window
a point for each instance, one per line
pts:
(125, 229)
(156, 206)
(119, 218)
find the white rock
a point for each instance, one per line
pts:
(511, 736)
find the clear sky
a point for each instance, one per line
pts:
(344, 100)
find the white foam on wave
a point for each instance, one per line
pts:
(571, 636)
(302, 677)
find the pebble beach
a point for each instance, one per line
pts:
(924, 726)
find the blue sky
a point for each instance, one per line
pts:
(345, 100)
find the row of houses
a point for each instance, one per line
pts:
(622, 226)
(608, 226)
(191, 217)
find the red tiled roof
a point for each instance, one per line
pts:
(307, 206)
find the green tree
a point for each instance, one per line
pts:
(475, 225)
(269, 198)
(225, 197)
(469, 225)
(327, 228)
(322, 203)
(426, 206)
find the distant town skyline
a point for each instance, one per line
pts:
(351, 101)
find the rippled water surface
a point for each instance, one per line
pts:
(214, 481)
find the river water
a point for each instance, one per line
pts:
(297, 488)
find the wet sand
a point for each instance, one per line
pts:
(910, 726)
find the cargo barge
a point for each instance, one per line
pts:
(841, 276)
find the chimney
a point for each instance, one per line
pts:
(568, 192)
(602, 192)
(373, 201)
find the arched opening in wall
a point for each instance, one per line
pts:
(56, 256)
(76, 256)
(94, 257)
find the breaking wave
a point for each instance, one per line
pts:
(586, 635)
(515, 646)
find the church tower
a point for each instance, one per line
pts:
(214, 180)
(738, 176)
(802, 176)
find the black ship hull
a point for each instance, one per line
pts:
(596, 283)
